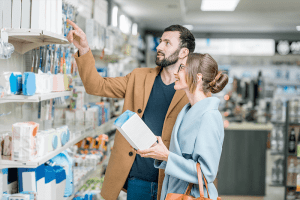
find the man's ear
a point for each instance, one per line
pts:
(184, 52)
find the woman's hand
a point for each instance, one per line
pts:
(157, 151)
(78, 38)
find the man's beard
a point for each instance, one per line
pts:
(171, 60)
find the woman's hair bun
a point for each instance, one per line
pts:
(218, 84)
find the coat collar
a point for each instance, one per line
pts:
(150, 78)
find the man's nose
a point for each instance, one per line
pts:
(159, 47)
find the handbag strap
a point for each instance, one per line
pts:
(201, 182)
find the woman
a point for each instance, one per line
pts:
(198, 133)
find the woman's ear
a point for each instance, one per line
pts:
(199, 77)
(184, 52)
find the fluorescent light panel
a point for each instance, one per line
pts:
(190, 27)
(134, 29)
(115, 16)
(219, 5)
(298, 28)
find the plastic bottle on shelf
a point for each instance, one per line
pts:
(280, 139)
(274, 172)
(280, 171)
(291, 173)
(298, 176)
(292, 141)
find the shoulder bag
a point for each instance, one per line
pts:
(187, 196)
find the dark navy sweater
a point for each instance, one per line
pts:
(159, 100)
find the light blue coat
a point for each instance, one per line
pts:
(197, 136)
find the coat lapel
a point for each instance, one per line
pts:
(179, 94)
(149, 81)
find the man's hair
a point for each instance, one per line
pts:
(187, 40)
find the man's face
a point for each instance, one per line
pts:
(168, 49)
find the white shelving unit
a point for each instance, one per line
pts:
(85, 178)
(89, 132)
(34, 98)
(26, 39)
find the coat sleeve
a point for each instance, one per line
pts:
(160, 164)
(207, 151)
(94, 84)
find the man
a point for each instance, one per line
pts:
(148, 92)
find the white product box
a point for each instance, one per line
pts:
(38, 14)
(70, 116)
(16, 14)
(23, 141)
(48, 15)
(51, 138)
(19, 197)
(53, 14)
(25, 14)
(137, 133)
(1, 13)
(91, 116)
(6, 13)
(79, 116)
(59, 17)
(41, 144)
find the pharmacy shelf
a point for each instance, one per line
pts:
(82, 181)
(88, 132)
(27, 39)
(106, 127)
(34, 98)
(277, 185)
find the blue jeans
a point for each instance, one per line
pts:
(141, 190)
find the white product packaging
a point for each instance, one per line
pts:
(16, 14)
(135, 131)
(91, 116)
(38, 14)
(25, 14)
(50, 182)
(33, 179)
(59, 17)
(19, 197)
(58, 82)
(1, 16)
(60, 175)
(48, 15)
(52, 139)
(4, 180)
(41, 143)
(53, 16)
(23, 140)
(6, 13)
(79, 116)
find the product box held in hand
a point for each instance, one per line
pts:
(135, 131)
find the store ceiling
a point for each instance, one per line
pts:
(256, 16)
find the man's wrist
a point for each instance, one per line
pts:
(83, 51)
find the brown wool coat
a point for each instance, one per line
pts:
(135, 88)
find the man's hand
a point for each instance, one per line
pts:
(78, 38)
(157, 151)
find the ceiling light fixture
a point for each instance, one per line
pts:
(298, 28)
(190, 27)
(219, 5)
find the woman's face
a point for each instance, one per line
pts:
(181, 83)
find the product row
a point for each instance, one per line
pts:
(30, 83)
(49, 15)
(59, 177)
(26, 142)
(279, 105)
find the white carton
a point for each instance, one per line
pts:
(137, 133)
(16, 14)
(25, 14)
(38, 14)
(23, 141)
(6, 13)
